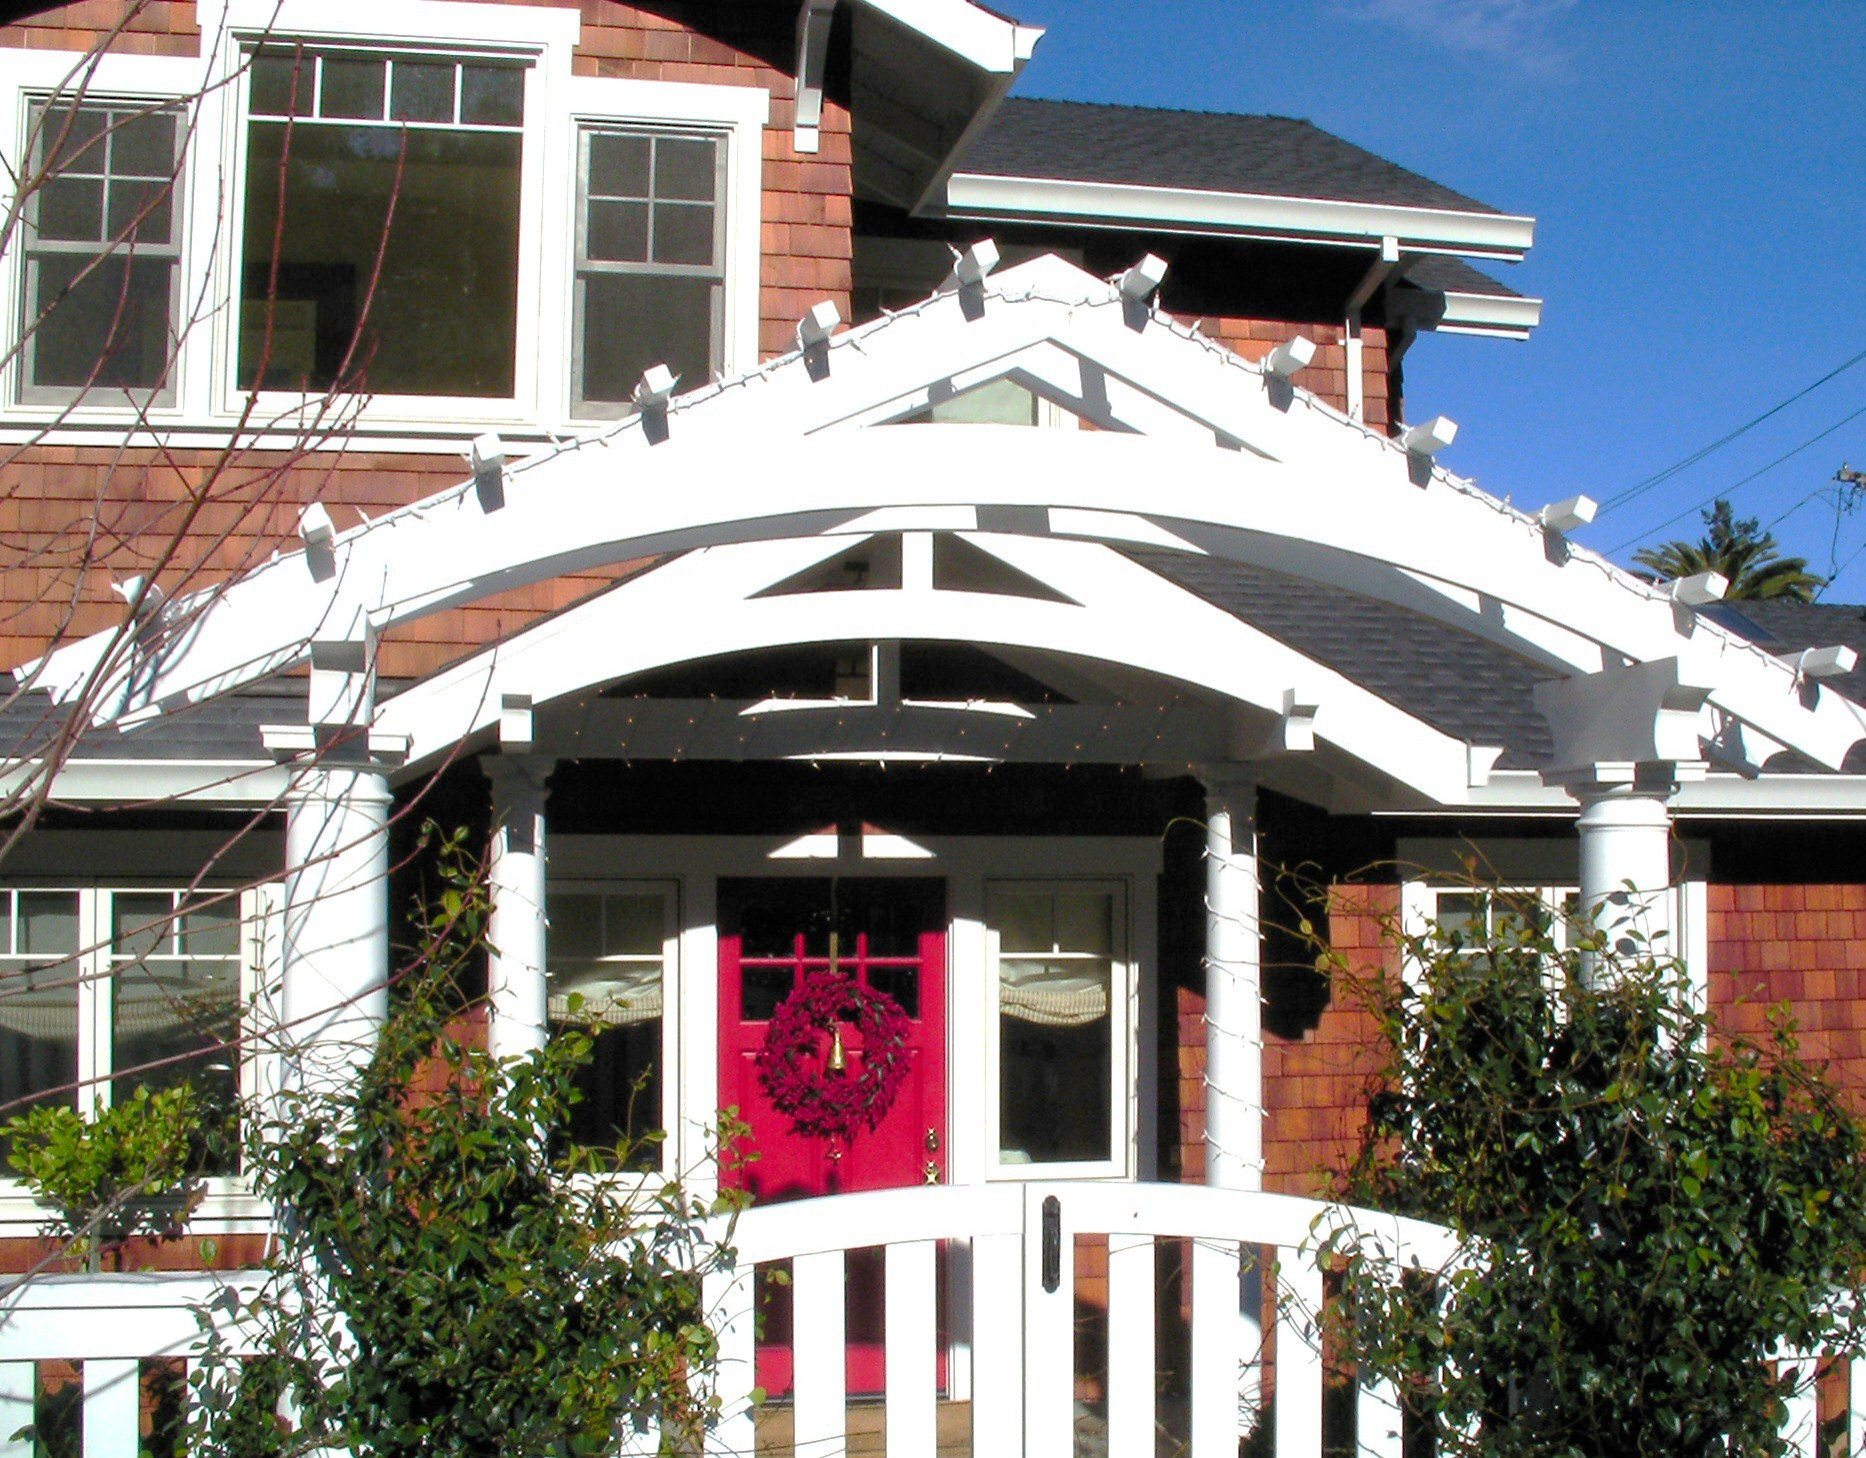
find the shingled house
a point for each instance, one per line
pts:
(817, 513)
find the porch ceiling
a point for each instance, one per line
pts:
(1198, 453)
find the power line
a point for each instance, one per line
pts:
(1732, 489)
(1646, 485)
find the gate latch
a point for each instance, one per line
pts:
(1052, 1244)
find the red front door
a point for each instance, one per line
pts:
(890, 936)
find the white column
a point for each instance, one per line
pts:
(1625, 829)
(336, 935)
(1233, 988)
(517, 928)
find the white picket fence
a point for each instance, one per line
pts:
(1002, 1257)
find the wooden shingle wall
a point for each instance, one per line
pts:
(1799, 946)
(72, 519)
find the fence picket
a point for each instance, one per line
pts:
(728, 1297)
(1132, 1359)
(1298, 1357)
(111, 1390)
(1377, 1429)
(997, 1336)
(1801, 1416)
(819, 1324)
(1217, 1348)
(912, 1349)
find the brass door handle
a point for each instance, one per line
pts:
(931, 1172)
(932, 1141)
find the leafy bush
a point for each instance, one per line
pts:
(128, 1170)
(1648, 1209)
(450, 1279)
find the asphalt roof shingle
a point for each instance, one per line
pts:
(1275, 156)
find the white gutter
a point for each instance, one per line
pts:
(985, 197)
(1500, 315)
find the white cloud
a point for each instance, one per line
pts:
(1520, 33)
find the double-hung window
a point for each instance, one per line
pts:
(650, 265)
(102, 250)
(106, 990)
(382, 223)
(1065, 1019)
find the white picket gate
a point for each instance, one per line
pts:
(1006, 1256)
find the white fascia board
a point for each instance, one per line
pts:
(242, 783)
(1717, 796)
(1424, 230)
(970, 32)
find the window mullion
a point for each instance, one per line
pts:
(94, 981)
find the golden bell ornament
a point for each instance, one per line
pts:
(838, 1060)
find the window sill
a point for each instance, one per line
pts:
(229, 1208)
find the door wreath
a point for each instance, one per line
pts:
(823, 1103)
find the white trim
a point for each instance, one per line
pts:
(137, 781)
(1719, 794)
(1125, 1097)
(1254, 215)
(1505, 316)
(970, 32)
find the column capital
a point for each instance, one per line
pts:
(1626, 779)
(1226, 778)
(518, 777)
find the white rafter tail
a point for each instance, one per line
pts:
(972, 266)
(1483, 763)
(1290, 357)
(1139, 282)
(315, 528)
(1562, 517)
(1295, 732)
(814, 329)
(517, 723)
(1429, 437)
(153, 597)
(1701, 589)
(486, 456)
(1829, 662)
(655, 388)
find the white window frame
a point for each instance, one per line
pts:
(1124, 1031)
(29, 77)
(258, 909)
(669, 892)
(558, 104)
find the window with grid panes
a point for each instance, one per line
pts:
(1475, 917)
(102, 251)
(650, 275)
(103, 991)
(606, 968)
(381, 243)
(1062, 1023)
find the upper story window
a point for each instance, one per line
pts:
(102, 245)
(650, 260)
(381, 248)
(103, 991)
(423, 208)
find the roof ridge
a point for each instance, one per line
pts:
(1168, 110)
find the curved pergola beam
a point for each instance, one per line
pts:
(704, 606)
(1282, 482)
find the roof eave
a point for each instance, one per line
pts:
(989, 197)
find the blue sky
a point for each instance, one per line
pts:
(1698, 173)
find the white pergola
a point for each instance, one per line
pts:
(760, 478)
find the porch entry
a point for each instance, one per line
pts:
(887, 936)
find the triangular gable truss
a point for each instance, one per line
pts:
(1232, 462)
(1111, 611)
